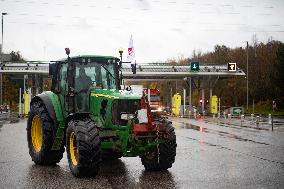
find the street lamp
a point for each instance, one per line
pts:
(120, 50)
(247, 77)
(3, 14)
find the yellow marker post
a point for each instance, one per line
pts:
(176, 103)
(26, 101)
(213, 104)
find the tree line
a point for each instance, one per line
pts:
(265, 74)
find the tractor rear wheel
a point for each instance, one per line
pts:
(83, 147)
(41, 132)
(162, 157)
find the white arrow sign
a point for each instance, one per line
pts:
(232, 67)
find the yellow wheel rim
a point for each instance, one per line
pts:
(73, 149)
(36, 133)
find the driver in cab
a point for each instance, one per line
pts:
(82, 84)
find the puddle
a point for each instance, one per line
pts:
(194, 127)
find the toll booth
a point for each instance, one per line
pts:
(213, 101)
(176, 103)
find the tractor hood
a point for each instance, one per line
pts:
(114, 94)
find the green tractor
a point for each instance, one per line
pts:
(87, 113)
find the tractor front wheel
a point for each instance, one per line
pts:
(163, 156)
(83, 147)
(40, 135)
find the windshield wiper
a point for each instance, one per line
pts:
(108, 71)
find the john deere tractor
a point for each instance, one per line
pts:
(87, 113)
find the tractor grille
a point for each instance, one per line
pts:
(123, 106)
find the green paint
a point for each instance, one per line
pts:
(60, 120)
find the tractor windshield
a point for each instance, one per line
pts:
(94, 75)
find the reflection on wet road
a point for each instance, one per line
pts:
(208, 156)
(220, 133)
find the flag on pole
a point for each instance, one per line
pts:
(131, 54)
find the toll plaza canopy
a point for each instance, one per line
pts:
(149, 71)
(163, 71)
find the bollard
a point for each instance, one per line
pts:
(242, 119)
(224, 114)
(251, 117)
(214, 116)
(194, 114)
(218, 115)
(269, 119)
(229, 119)
(257, 121)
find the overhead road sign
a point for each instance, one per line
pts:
(232, 67)
(194, 66)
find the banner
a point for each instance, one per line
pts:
(131, 54)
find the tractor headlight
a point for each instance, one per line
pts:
(126, 116)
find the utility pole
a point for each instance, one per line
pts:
(190, 94)
(1, 52)
(176, 86)
(247, 77)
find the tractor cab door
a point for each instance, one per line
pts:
(63, 88)
(85, 79)
(60, 84)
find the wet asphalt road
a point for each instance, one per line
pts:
(208, 156)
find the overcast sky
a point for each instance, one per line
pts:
(161, 29)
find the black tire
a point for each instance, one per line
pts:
(111, 155)
(87, 143)
(162, 157)
(42, 154)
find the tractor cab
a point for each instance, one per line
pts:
(74, 78)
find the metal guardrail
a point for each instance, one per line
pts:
(265, 122)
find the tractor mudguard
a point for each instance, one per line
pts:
(48, 104)
(53, 106)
